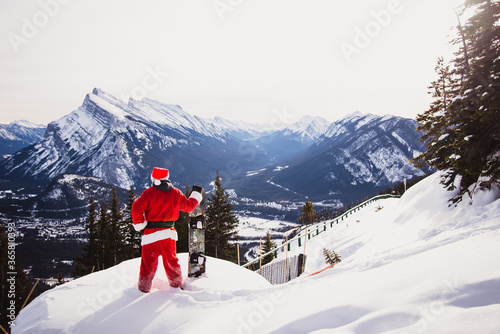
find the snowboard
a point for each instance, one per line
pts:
(196, 235)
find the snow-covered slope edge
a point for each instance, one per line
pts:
(412, 265)
(409, 265)
(108, 301)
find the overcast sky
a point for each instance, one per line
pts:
(238, 59)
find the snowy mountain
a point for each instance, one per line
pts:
(19, 134)
(121, 142)
(286, 141)
(409, 265)
(306, 130)
(309, 128)
(359, 152)
(356, 156)
(238, 129)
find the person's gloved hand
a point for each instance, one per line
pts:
(196, 193)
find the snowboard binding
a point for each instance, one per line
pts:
(197, 262)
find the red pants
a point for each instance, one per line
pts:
(149, 263)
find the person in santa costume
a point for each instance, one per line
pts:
(155, 212)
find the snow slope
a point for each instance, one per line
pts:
(409, 265)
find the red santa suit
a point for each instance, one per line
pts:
(160, 203)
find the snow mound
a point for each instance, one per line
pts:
(409, 265)
(108, 301)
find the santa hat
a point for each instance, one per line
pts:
(158, 175)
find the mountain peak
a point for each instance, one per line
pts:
(97, 91)
(307, 119)
(354, 114)
(27, 124)
(107, 103)
(310, 126)
(19, 134)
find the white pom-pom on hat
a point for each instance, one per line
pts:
(158, 175)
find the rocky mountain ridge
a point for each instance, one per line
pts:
(19, 134)
(120, 143)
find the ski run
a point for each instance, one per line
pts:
(409, 265)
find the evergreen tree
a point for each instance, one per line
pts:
(268, 246)
(91, 224)
(79, 269)
(309, 214)
(331, 257)
(60, 279)
(461, 128)
(181, 225)
(117, 246)
(104, 259)
(132, 237)
(438, 133)
(112, 237)
(84, 262)
(221, 231)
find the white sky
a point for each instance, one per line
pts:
(239, 59)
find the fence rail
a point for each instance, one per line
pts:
(315, 229)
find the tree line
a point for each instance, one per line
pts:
(462, 126)
(111, 235)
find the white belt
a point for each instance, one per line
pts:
(158, 235)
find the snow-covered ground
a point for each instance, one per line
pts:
(252, 228)
(415, 266)
(252, 231)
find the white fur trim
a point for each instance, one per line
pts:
(197, 196)
(159, 235)
(141, 226)
(158, 181)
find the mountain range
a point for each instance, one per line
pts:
(19, 134)
(356, 156)
(312, 159)
(65, 197)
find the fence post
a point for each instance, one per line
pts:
(286, 259)
(260, 256)
(305, 240)
(238, 252)
(301, 264)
